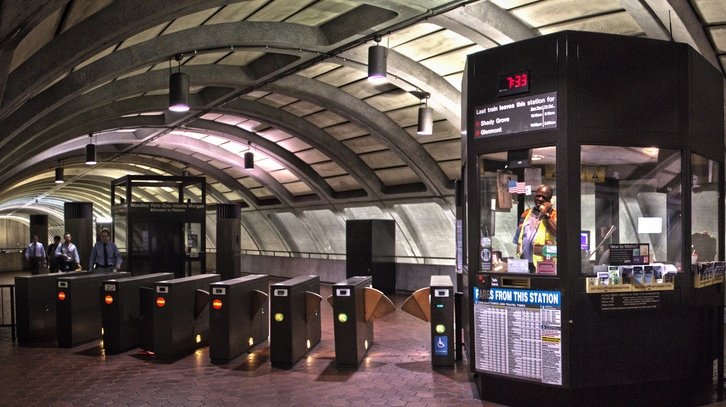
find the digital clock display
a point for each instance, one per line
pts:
(514, 83)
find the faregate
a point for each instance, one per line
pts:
(238, 316)
(435, 304)
(121, 310)
(35, 306)
(78, 307)
(355, 305)
(295, 319)
(180, 317)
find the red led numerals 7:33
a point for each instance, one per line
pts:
(517, 81)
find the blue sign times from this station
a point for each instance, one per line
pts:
(531, 298)
(530, 113)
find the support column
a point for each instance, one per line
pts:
(79, 223)
(228, 241)
(39, 226)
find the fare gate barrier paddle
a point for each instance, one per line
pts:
(121, 310)
(295, 319)
(78, 307)
(238, 316)
(435, 304)
(180, 316)
(355, 305)
(35, 306)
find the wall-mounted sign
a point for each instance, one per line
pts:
(530, 113)
(629, 254)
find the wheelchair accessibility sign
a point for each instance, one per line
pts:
(441, 345)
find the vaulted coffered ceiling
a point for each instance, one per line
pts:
(284, 78)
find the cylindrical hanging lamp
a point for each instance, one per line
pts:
(425, 125)
(59, 175)
(377, 62)
(178, 88)
(90, 151)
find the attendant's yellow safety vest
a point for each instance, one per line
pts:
(541, 237)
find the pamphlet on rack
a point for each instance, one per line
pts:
(708, 273)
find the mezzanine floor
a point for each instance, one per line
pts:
(396, 372)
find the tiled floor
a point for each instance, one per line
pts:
(397, 372)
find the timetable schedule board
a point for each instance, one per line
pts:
(518, 333)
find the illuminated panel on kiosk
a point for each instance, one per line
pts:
(519, 333)
(511, 116)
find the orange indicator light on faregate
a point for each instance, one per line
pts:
(160, 302)
(108, 299)
(217, 303)
(61, 295)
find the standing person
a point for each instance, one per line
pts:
(105, 256)
(52, 260)
(537, 228)
(67, 254)
(35, 253)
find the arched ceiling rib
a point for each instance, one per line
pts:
(378, 124)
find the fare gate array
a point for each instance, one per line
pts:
(355, 305)
(435, 304)
(78, 307)
(35, 306)
(238, 318)
(295, 319)
(180, 314)
(121, 310)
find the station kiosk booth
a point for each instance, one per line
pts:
(620, 302)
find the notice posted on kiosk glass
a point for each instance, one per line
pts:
(519, 115)
(518, 333)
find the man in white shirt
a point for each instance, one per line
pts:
(67, 254)
(35, 253)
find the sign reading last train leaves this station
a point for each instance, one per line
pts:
(530, 113)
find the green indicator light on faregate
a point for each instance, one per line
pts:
(343, 317)
(439, 305)
(279, 317)
(440, 328)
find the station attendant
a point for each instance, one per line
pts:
(67, 255)
(105, 256)
(35, 253)
(537, 228)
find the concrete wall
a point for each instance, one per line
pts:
(12, 261)
(409, 277)
(13, 234)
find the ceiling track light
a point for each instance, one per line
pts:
(59, 174)
(90, 151)
(377, 61)
(178, 88)
(249, 158)
(425, 125)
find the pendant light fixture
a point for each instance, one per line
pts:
(59, 174)
(178, 88)
(249, 158)
(90, 151)
(377, 61)
(425, 117)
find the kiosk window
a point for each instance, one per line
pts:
(518, 216)
(704, 213)
(631, 205)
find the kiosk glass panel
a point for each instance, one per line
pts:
(631, 199)
(515, 237)
(704, 214)
(120, 226)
